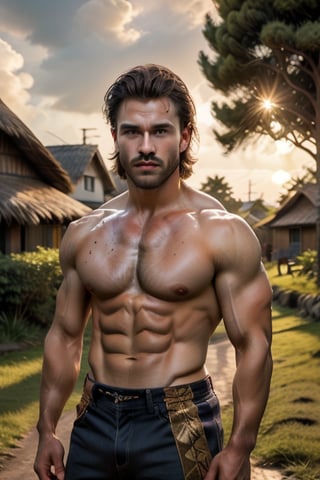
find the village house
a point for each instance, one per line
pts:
(92, 183)
(35, 201)
(292, 229)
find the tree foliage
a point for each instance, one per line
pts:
(296, 183)
(218, 188)
(266, 61)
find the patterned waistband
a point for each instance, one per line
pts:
(168, 394)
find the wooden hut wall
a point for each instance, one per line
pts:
(10, 159)
(308, 239)
(280, 238)
(48, 236)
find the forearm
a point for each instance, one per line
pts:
(250, 394)
(60, 371)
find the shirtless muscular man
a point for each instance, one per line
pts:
(156, 269)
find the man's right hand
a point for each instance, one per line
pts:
(48, 464)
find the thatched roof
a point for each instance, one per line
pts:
(37, 156)
(30, 202)
(76, 158)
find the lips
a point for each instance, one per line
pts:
(144, 164)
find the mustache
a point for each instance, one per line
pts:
(149, 157)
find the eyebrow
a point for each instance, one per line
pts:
(126, 126)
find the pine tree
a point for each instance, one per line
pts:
(220, 189)
(266, 62)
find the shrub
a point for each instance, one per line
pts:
(14, 328)
(29, 283)
(308, 260)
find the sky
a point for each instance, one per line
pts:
(58, 57)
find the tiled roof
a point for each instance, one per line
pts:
(76, 158)
(300, 209)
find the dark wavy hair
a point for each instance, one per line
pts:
(153, 81)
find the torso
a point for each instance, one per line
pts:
(153, 302)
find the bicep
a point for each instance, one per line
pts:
(244, 295)
(246, 308)
(73, 300)
(72, 305)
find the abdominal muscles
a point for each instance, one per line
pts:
(148, 343)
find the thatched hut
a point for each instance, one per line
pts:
(34, 203)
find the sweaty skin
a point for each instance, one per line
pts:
(158, 267)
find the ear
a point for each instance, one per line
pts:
(185, 138)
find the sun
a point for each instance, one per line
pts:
(280, 177)
(267, 104)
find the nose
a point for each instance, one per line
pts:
(146, 146)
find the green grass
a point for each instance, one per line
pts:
(19, 393)
(290, 431)
(14, 328)
(300, 283)
(289, 436)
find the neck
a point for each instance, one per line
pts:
(155, 199)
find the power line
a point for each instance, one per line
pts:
(56, 136)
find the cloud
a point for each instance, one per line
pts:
(42, 22)
(87, 43)
(14, 84)
(194, 10)
(109, 18)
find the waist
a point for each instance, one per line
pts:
(194, 390)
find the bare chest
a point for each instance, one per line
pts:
(164, 258)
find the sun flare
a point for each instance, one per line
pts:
(280, 177)
(267, 104)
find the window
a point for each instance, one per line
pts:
(294, 241)
(89, 183)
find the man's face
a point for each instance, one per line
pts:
(149, 140)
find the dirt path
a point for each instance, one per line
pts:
(220, 363)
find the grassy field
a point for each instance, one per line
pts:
(289, 436)
(290, 431)
(300, 283)
(19, 393)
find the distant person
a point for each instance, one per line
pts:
(157, 267)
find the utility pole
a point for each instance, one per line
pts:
(250, 192)
(85, 136)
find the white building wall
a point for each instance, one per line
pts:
(86, 196)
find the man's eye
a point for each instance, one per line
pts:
(130, 132)
(161, 131)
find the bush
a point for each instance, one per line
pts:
(29, 283)
(308, 260)
(14, 328)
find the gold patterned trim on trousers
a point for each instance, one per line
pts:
(188, 432)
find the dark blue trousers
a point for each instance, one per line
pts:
(153, 434)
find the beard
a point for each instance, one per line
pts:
(151, 179)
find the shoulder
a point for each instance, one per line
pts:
(92, 219)
(224, 223)
(201, 200)
(78, 232)
(218, 225)
(231, 241)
